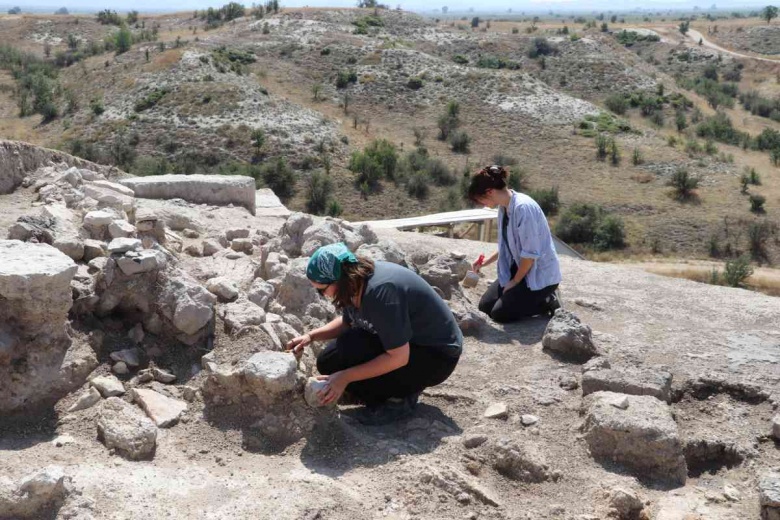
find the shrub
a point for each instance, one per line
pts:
(123, 40)
(758, 235)
(49, 111)
(447, 124)
(460, 141)
(737, 271)
(657, 118)
(679, 121)
(684, 184)
(602, 145)
(345, 77)
(334, 208)
(460, 59)
(753, 177)
(710, 148)
(578, 223)
(720, 128)
(504, 160)
(417, 185)
(614, 153)
(617, 103)
(439, 172)
(517, 179)
(147, 165)
(637, 158)
(414, 83)
(318, 191)
(379, 159)
(547, 199)
(757, 203)
(278, 176)
(151, 99)
(541, 47)
(610, 233)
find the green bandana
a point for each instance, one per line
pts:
(325, 264)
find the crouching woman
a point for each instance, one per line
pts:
(394, 338)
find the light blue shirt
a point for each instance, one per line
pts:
(528, 236)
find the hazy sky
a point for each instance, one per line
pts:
(500, 5)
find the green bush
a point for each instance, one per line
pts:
(547, 199)
(683, 183)
(452, 201)
(417, 185)
(151, 99)
(720, 128)
(318, 191)
(517, 179)
(460, 141)
(737, 271)
(602, 147)
(541, 47)
(494, 62)
(610, 233)
(504, 160)
(758, 234)
(414, 83)
(460, 59)
(379, 159)
(334, 208)
(278, 176)
(757, 203)
(147, 165)
(578, 223)
(345, 77)
(637, 158)
(123, 40)
(617, 103)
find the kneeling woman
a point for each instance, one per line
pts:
(395, 336)
(528, 269)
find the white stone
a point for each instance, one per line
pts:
(122, 427)
(241, 314)
(164, 411)
(310, 392)
(776, 427)
(223, 288)
(94, 249)
(163, 376)
(108, 386)
(234, 233)
(87, 399)
(123, 245)
(497, 411)
(271, 372)
(147, 260)
(136, 334)
(121, 229)
(211, 246)
(529, 420)
(120, 368)
(200, 189)
(261, 293)
(130, 356)
(99, 218)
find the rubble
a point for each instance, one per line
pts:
(122, 427)
(568, 337)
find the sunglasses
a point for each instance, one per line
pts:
(322, 290)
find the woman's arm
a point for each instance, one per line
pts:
(331, 330)
(489, 260)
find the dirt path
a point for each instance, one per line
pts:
(696, 36)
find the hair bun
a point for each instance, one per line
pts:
(497, 172)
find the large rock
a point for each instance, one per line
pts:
(164, 411)
(261, 293)
(769, 496)
(520, 462)
(568, 337)
(108, 386)
(35, 495)
(122, 427)
(633, 381)
(636, 432)
(142, 261)
(223, 288)
(445, 272)
(241, 314)
(271, 373)
(112, 195)
(384, 251)
(38, 362)
(201, 189)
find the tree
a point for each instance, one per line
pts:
(62, 10)
(684, 26)
(769, 12)
(316, 91)
(132, 17)
(15, 10)
(475, 22)
(47, 49)
(318, 191)
(73, 42)
(367, 4)
(123, 40)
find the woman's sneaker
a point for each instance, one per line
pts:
(551, 304)
(392, 410)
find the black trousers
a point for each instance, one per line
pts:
(426, 367)
(514, 304)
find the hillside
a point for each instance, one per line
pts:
(142, 375)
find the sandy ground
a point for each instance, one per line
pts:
(205, 470)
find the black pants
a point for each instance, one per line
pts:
(426, 367)
(514, 304)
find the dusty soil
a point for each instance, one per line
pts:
(207, 469)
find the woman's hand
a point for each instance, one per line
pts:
(510, 285)
(477, 265)
(331, 393)
(298, 344)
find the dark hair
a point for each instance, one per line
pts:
(488, 178)
(353, 279)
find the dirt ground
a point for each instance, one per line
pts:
(206, 469)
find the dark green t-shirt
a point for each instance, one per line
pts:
(401, 307)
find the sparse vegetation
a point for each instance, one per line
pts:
(151, 99)
(460, 141)
(319, 188)
(378, 160)
(590, 225)
(684, 184)
(547, 199)
(757, 203)
(737, 271)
